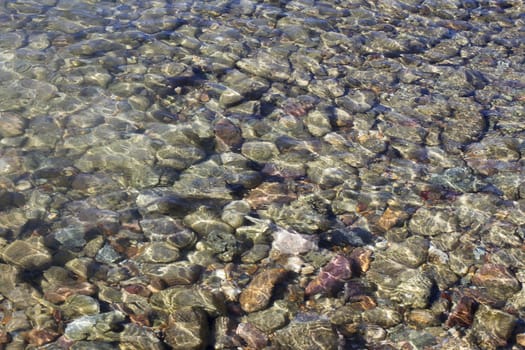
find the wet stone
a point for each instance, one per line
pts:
(166, 228)
(187, 329)
(267, 65)
(228, 136)
(257, 295)
(234, 213)
(260, 151)
(331, 277)
(321, 335)
(158, 252)
(269, 320)
(255, 254)
(223, 244)
(431, 222)
(412, 253)
(462, 314)
(107, 254)
(492, 328)
(499, 282)
(414, 291)
(95, 327)
(355, 237)
(29, 254)
(134, 336)
(173, 274)
(173, 298)
(205, 222)
(384, 317)
(80, 305)
(10, 200)
(11, 124)
(292, 242)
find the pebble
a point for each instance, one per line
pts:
(331, 277)
(320, 335)
(240, 174)
(30, 254)
(493, 328)
(258, 293)
(187, 329)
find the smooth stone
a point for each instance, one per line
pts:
(107, 255)
(30, 254)
(257, 295)
(492, 328)
(431, 222)
(80, 305)
(269, 320)
(291, 242)
(158, 252)
(187, 329)
(234, 212)
(412, 253)
(381, 316)
(498, 281)
(414, 291)
(176, 273)
(173, 298)
(314, 334)
(95, 327)
(259, 151)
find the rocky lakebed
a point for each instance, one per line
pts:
(270, 174)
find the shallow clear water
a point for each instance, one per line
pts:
(149, 147)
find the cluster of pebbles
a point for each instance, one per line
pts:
(262, 174)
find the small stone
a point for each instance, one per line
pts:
(259, 151)
(158, 252)
(259, 292)
(30, 254)
(39, 336)
(307, 334)
(360, 259)
(224, 333)
(431, 222)
(203, 221)
(95, 327)
(228, 136)
(413, 252)
(520, 339)
(492, 328)
(187, 329)
(80, 305)
(255, 253)
(381, 316)
(331, 277)
(291, 242)
(269, 193)
(270, 319)
(173, 298)
(11, 124)
(391, 217)
(107, 255)
(415, 291)
(234, 212)
(176, 273)
(498, 281)
(422, 318)
(463, 313)
(254, 338)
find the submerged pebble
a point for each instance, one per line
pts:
(276, 174)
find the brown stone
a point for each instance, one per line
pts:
(259, 292)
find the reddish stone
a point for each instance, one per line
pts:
(331, 277)
(463, 313)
